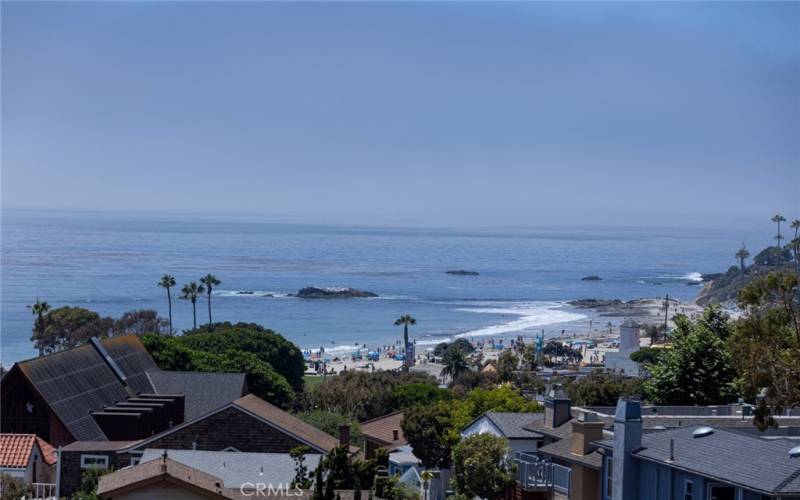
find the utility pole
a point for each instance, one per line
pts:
(666, 315)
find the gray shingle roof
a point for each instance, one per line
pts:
(757, 464)
(513, 425)
(237, 468)
(563, 449)
(204, 392)
(563, 431)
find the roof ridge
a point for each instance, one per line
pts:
(381, 417)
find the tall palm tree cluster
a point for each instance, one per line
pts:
(794, 244)
(191, 292)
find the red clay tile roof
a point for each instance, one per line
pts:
(15, 450)
(382, 429)
(49, 454)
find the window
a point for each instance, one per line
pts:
(609, 476)
(688, 490)
(94, 462)
(136, 457)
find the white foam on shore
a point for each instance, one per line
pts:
(529, 315)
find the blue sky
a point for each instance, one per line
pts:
(406, 113)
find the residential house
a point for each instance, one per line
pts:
(164, 478)
(695, 462)
(511, 426)
(248, 424)
(29, 458)
(169, 476)
(737, 416)
(107, 389)
(576, 462)
(383, 433)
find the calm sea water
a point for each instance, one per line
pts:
(111, 264)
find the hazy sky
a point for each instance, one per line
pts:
(414, 113)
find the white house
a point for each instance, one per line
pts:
(512, 426)
(27, 457)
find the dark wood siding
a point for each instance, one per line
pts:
(228, 428)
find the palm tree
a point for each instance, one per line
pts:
(167, 282)
(210, 281)
(39, 309)
(455, 364)
(741, 255)
(191, 291)
(778, 218)
(405, 320)
(796, 243)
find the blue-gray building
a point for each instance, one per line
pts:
(694, 463)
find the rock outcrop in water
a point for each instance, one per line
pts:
(593, 277)
(462, 272)
(312, 292)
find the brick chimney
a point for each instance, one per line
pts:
(344, 435)
(557, 407)
(627, 439)
(585, 429)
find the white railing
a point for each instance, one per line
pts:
(43, 490)
(537, 473)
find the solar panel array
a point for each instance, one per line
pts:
(79, 381)
(133, 359)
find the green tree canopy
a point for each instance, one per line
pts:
(773, 256)
(361, 395)
(483, 466)
(67, 327)
(697, 370)
(330, 422)
(765, 345)
(413, 394)
(462, 344)
(172, 353)
(429, 431)
(601, 388)
(268, 346)
(140, 322)
(507, 364)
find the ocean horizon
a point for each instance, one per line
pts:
(110, 263)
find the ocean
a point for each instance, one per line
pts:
(111, 263)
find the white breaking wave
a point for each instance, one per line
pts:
(433, 341)
(693, 276)
(529, 315)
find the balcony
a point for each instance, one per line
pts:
(535, 473)
(43, 491)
